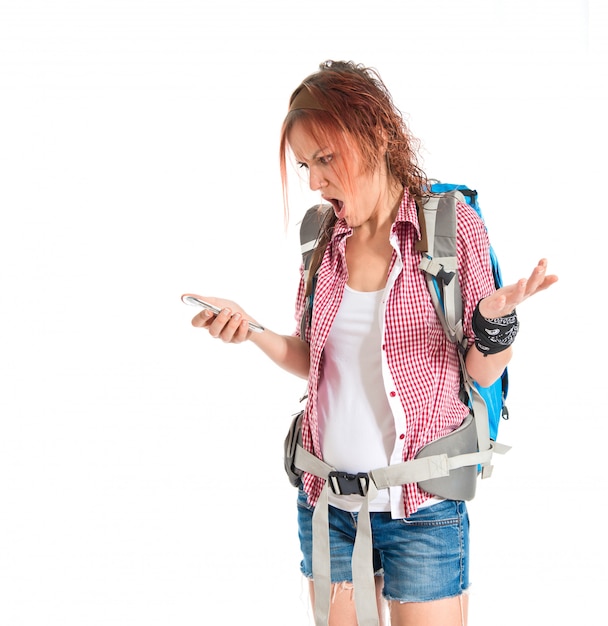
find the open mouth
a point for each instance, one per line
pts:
(338, 207)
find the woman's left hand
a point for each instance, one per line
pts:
(504, 300)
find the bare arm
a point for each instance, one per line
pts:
(486, 369)
(287, 351)
(231, 325)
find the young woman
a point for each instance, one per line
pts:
(383, 380)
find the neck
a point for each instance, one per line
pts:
(385, 211)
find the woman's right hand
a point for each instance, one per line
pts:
(231, 324)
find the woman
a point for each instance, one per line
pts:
(383, 380)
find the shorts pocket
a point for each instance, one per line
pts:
(303, 499)
(446, 513)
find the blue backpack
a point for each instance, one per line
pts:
(494, 396)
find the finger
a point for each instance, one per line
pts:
(549, 280)
(242, 332)
(519, 294)
(546, 280)
(545, 284)
(536, 278)
(230, 331)
(216, 326)
(202, 319)
(503, 301)
(513, 295)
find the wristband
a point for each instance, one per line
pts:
(494, 335)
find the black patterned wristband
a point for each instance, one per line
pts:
(494, 335)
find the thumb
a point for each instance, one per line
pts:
(492, 306)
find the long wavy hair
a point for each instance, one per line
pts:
(356, 113)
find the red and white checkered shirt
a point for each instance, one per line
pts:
(424, 381)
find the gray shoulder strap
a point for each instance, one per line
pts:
(440, 265)
(310, 229)
(440, 261)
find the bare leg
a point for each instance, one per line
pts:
(448, 612)
(342, 610)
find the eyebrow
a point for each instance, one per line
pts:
(315, 155)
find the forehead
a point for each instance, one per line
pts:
(306, 143)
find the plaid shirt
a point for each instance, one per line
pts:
(424, 377)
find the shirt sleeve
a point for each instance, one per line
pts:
(474, 265)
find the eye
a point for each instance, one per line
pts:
(326, 159)
(302, 165)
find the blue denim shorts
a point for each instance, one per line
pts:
(423, 557)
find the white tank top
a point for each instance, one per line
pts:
(356, 424)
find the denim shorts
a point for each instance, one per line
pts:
(423, 557)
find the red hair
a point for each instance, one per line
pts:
(356, 111)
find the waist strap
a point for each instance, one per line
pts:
(414, 471)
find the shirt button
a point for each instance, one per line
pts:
(401, 436)
(392, 394)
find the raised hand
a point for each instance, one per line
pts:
(506, 299)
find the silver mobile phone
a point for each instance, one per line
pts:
(195, 301)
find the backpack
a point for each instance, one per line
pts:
(495, 395)
(437, 217)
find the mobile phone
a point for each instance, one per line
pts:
(195, 301)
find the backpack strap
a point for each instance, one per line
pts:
(439, 262)
(438, 219)
(310, 230)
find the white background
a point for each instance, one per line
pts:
(141, 478)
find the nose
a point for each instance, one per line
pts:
(316, 180)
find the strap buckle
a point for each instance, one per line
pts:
(345, 484)
(445, 276)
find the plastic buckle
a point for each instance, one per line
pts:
(344, 484)
(445, 276)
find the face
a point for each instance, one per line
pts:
(329, 172)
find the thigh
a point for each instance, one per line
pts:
(342, 611)
(425, 557)
(446, 612)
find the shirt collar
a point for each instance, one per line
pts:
(408, 212)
